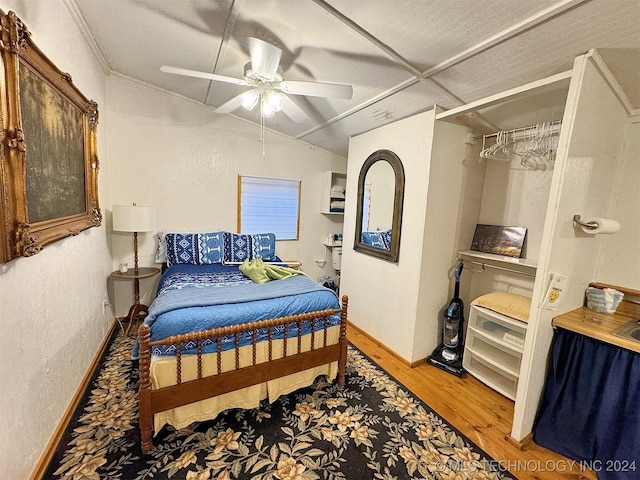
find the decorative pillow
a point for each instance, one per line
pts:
(264, 246)
(182, 248)
(240, 247)
(211, 247)
(386, 238)
(237, 247)
(193, 248)
(374, 239)
(509, 304)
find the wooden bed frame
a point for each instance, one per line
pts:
(151, 401)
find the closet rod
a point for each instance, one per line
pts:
(497, 267)
(555, 127)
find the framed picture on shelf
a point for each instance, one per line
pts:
(499, 240)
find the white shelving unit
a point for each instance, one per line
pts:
(495, 343)
(493, 349)
(329, 179)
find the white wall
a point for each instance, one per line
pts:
(623, 247)
(51, 304)
(588, 180)
(183, 159)
(453, 205)
(383, 295)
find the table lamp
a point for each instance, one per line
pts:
(132, 218)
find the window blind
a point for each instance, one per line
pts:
(269, 205)
(366, 203)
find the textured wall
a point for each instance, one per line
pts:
(383, 295)
(622, 249)
(51, 319)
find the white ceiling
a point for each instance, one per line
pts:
(402, 57)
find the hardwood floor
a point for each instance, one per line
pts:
(477, 411)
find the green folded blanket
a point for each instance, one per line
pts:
(260, 272)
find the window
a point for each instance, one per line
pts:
(269, 205)
(366, 202)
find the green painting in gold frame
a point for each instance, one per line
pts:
(48, 160)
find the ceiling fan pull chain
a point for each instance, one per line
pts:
(262, 124)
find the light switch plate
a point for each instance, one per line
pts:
(554, 293)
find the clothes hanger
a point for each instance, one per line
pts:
(503, 149)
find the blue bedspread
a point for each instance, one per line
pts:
(193, 298)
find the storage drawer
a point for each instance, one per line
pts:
(504, 331)
(490, 375)
(505, 357)
(493, 349)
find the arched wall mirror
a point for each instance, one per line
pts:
(379, 209)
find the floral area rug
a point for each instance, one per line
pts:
(372, 428)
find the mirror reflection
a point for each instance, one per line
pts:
(379, 208)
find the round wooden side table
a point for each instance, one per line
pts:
(137, 309)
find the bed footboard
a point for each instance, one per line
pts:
(152, 401)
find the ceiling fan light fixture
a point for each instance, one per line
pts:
(274, 100)
(250, 99)
(267, 110)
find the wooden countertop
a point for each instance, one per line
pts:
(598, 325)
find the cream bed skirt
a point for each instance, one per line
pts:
(163, 374)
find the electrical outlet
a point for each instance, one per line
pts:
(105, 304)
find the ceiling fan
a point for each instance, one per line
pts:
(268, 89)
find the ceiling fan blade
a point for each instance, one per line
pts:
(205, 75)
(265, 58)
(292, 110)
(315, 89)
(231, 105)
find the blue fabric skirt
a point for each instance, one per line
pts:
(590, 407)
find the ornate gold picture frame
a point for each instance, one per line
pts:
(48, 155)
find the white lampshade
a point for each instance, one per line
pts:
(132, 218)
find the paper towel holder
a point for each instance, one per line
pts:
(589, 225)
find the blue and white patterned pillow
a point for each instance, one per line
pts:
(240, 247)
(182, 248)
(264, 246)
(211, 247)
(377, 239)
(373, 239)
(386, 238)
(194, 248)
(237, 247)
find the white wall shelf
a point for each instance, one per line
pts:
(329, 179)
(522, 266)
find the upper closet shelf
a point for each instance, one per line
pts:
(538, 86)
(522, 266)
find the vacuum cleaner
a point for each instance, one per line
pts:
(448, 355)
